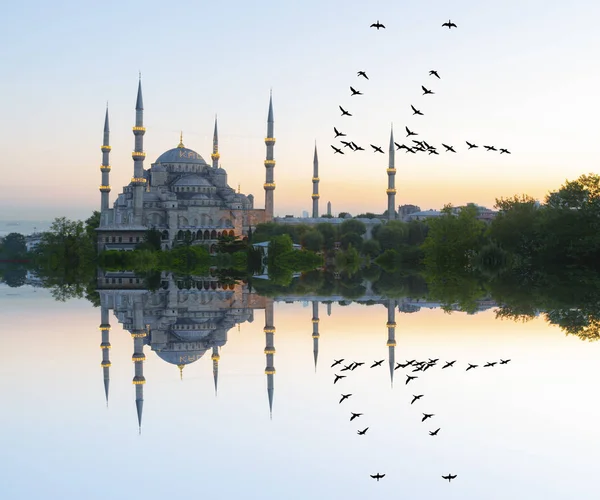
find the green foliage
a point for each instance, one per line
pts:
(152, 240)
(13, 246)
(353, 226)
(371, 248)
(391, 235)
(329, 233)
(313, 240)
(348, 261)
(351, 240)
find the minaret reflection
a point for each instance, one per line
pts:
(269, 330)
(215, 359)
(138, 333)
(105, 346)
(391, 342)
(315, 332)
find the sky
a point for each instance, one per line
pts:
(518, 74)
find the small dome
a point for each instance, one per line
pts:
(181, 155)
(193, 180)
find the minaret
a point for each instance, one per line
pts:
(391, 171)
(315, 334)
(269, 164)
(105, 346)
(215, 154)
(215, 359)
(105, 167)
(138, 333)
(269, 330)
(315, 181)
(137, 181)
(391, 342)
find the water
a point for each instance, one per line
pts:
(522, 430)
(24, 227)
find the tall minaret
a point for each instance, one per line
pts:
(315, 334)
(215, 154)
(269, 164)
(137, 181)
(269, 330)
(215, 359)
(315, 181)
(105, 346)
(105, 167)
(391, 342)
(138, 333)
(391, 171)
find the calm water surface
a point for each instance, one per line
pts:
(528, 429)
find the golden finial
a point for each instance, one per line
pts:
(180, 145)
(181, 367)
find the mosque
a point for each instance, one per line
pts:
(180, 195)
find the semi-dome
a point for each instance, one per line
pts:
(180, 357)
(181, 155)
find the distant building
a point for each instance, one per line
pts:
(304, 214)
(405, 210)
(329, 208)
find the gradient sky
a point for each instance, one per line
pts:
(518, 74)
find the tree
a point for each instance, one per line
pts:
(329, 233)
(353, 226)
(13, 246)
(391, 235)
(351, 239)
(152, 240)
(91, 224)
(313, 240)
(371, 248)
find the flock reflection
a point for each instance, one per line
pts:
(182, 323)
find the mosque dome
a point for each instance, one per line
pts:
(180, 357)
(181, 155)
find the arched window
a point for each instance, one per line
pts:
(199, 235)
(231, 233)
(206, 235)
(165, 235)
(213, 235)
(180, 235)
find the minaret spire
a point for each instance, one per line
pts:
(391, 342)
(215, 359)
(315, 181)
(315, 335)
(138, 181)
(138, 333)
(105, 167)
(269, 330)
(391, 171)
(269, 163)
(105, 346)
(215, 154)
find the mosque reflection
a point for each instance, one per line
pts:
(182, 321)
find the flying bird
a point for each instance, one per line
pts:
(427, 91)
(337, 150)
(346, 368)
(449, 364)
(356, 365)
(377, 149)
(433, 152)
(377, 476)
(400, 146)
(338, 377)
(416, 111)
(362, 73)
(448, 148)
(490, 148)
(409, 378)
(449, 477)
(434, 360)
(434, 73)
(377, 25)
(471, 146)
(434, 433)
(336, 362)
(416, 397)
(426, 416)
(502, 150)
(355, 92)
(363, 432)
(504, 361)
(409, 132)
(354, 415)
(450, 25)
(347, 144)
(356, 147)
(344, 397)
(471, 367)
(344, 112)
(490, 364)
(338, 133)
(377, 363)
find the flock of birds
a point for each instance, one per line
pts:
(415, 146)
(417, 366)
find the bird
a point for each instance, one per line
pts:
(471, 146)
(362, 73)
(410, 150)
(433, 152)
(337, 150)
(338, 133)
(434, 73)
(434, 433)
(344, 112)
(346, 368)
(490, 148)
(355, 92)
(344, 396)
(448, 364)
(416, 397)
(471, 367)
(448, 148)
(427, 91)
(418, 369)
(450, 25)
(377, 476)
(449, 477)
(377, 25)
(357, 148)
(377, 363)
(356, 365)
(363, 432)
(490, 364)
(416, 111)
(338, 377)
(426, 416)
(400, 146)
(409, 378)
(409, 132)
(502, 150)
(504, 361)
(354, 415)
(434, 360)
(336, 362)
(377, 149)
(347, 144)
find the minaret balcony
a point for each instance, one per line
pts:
(315, 196)
(391, 170)
(138, 357)
(138, 129)
(270, 371)
(269, 329)
(316, 336)
(269, 163)
(105, 148)
(269, 186)
(390, 191)
(315, 320)
(391, 343)
(104, 189)
(391, 324)
(215, 156)
(315, 179)
(138, 180)
(269, 350)
(138, 380)
(105, 345)
(105, 168)
(104, 327)
(215, 357)
(105, 364)
(138, 155)
(137, 334)
(269, 141)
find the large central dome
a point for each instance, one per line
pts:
(181, 155)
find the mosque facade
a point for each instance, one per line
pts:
(180, 195)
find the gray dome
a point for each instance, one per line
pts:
(180, 357)
(181, 155)
(193, 180)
